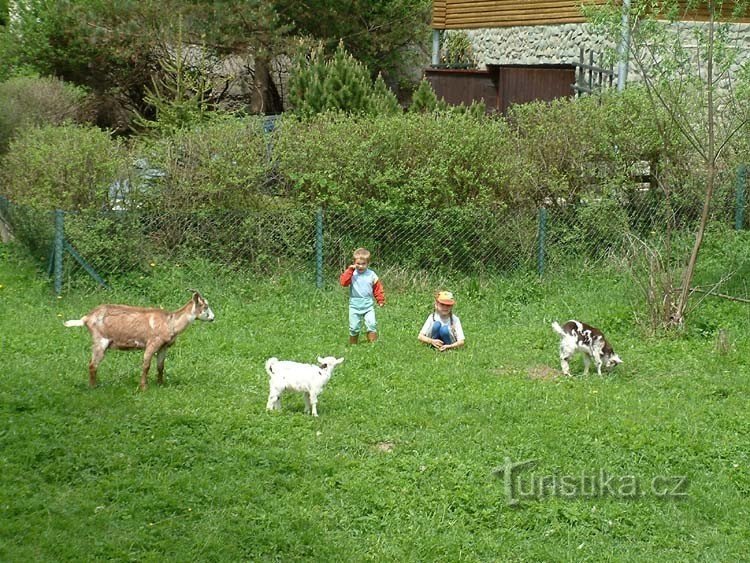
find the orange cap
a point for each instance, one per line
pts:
(445, 297)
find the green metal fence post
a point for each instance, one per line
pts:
(540, 238)
(319, 247)
(58, 249)
(739, 210)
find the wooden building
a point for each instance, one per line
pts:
(503, 83)
(472, 14)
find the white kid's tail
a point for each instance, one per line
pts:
(269, 365)
(75, 322)
(557, 328)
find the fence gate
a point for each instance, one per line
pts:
(590, 77)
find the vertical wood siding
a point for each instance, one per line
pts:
(501, 86)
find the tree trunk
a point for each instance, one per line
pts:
(710, 164)
(265, 98)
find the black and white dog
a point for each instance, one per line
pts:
(575, 337)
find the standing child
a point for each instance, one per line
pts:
(364, 290)
(442, 329)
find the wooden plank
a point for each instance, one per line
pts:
(529, 6)
(512, 23)
(503, 13)
(458, 14)
(438, 14)
(543, 13)
(499, 21)
(532, 5)
(509, 12)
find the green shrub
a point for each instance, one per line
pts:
(179, 94)
(340, 83)
(424, 99)
(566, 149)
(415, 160)
(112, 242)
(29, 101)
(219, 165)
(590, 229)
(34, 228)
(212, 178)
(458, 51)
(67, 167)
(383, 100)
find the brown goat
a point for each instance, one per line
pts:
(122, 327)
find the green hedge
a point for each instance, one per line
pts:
(27, 101)
(417, 160)
(441, 189)
(223, 164)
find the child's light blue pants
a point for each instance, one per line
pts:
(356, 318)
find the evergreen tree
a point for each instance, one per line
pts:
(424, 99)
(179, 94)
(339, 84)
(476, 109)
(347, 85)
(384, 101)
(306, 92)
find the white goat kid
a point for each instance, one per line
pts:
(122, 327)
(306, 378)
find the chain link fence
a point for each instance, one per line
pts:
(80, 247)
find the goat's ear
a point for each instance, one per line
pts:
(321, 360)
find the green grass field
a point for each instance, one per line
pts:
(400, 465)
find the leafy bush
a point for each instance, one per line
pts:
(567, 150)
(34, 228)
(458, 51)
(223, 164)
(443, 189)
(591, 229)
(31, 101)
(415, 160)
(65, 167)
(112, 242)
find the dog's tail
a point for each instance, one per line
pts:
(76, 322)
(269, 365)
(557, 328)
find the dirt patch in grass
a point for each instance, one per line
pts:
(542, 372)
(385, 447)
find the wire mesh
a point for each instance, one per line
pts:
(467, 239)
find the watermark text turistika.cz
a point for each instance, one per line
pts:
(520, 485)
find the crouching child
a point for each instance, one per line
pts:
(442, 329)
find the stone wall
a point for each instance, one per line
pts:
(532, 45)
(561, 44)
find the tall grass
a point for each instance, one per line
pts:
(399, 465)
